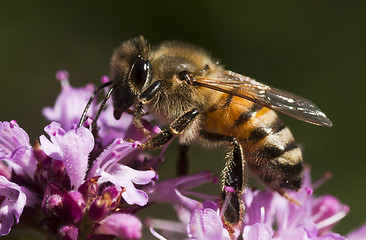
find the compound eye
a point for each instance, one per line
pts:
(140, 73)
(185, 76)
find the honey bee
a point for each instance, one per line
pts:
(184, 88)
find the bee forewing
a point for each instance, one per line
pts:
(294, 106)
(273, 98)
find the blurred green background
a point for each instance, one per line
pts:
(313, 48)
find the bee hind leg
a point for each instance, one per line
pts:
(183, 163)
(176, 128)
(233, 187)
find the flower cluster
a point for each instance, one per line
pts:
(269, 216)
(78, 184)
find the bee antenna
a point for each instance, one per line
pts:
(82, 119)
(107, 96)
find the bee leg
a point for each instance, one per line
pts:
(284, 194)
(176, 128)
(183, 163)
(233, 187)
(137, 120)
(143, 98)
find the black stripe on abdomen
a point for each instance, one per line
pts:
(247, 115)
(274, 151)
(261, 132)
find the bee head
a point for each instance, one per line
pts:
(130, 71)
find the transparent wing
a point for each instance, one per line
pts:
(276, 99)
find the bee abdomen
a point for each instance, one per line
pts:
(273, 154)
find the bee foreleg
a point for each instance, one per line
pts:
(144, 98)
(183, 163)
(233, 187)
(137, 120)
(176, 128)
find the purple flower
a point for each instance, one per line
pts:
(12, 202)
(258, 221)
(51, 203)
(313, 217)
(122, 225)
(70, 103)
(63, 157)
(109, 169)
(16, 150)
(72, 148)
(326, 212)
(301, 216)
(101, 206)
(268, 215)
(206, 223)
(259, 207)
(69, 232)
(90, 185)
(257, 231)
(112, 129)
(358, 234)
(174, 190)
(73, 206)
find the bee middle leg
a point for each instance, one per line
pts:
(233, 187)
(176, 128)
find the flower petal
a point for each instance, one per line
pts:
(119, 151)
(358, 234)
(124, 176)
(51, 149)
(257, 232)
(173, 190)
(333, 236)
(69, 104)
(109, 169)
(122, 225)
(12, 202)
(15, 149)
(327, 211)
(11, 137)
(206, 224)
(72, 147)
(111, 128)
(255, 200)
